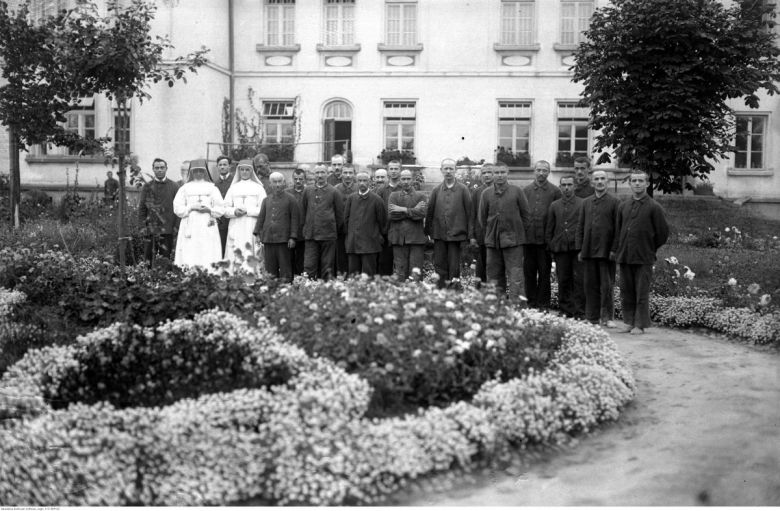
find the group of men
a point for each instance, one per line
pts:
(346, 223)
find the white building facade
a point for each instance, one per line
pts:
(433, 78)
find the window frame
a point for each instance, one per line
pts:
(344, 34)
(397, 123)
(403, 7)
(515, 122)
(765, 152)
(580, 23)
(272, 116)
(574, 121)
(276, 34)
(515, 39)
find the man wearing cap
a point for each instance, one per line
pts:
(561, 238)
(537, 260)
(406, 209)
(223, 183)
(323, 213)
(155, 212)
(448, 222)
(365, 218)
(503, 214)
(277, 229)
(299, 185)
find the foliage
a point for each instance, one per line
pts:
(566, 158)
(657, 73)
(304, 442)
(404, 156)
(466, 161)
(518, 159)
(704, 188)
(417, 346)
(251, 134)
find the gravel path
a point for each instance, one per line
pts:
(704, 429)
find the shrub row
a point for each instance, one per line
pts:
(303, 442)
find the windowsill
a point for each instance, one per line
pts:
(405, 48)
(293, 48)
(65, 159)
(516, 48)
(750, 172)
(565, 47)
(352, 48)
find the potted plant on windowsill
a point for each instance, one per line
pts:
(565, 159)
(406, 157)
(515, 161)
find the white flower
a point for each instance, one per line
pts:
(689, 274)
(727, 229)
(449, 304)
(765, 299)
(732, 281)
(672, 260)
(676, 273)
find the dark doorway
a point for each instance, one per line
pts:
(338, 138)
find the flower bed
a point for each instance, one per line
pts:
(304, 442)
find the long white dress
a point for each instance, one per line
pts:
(249, 195)
(198, 243)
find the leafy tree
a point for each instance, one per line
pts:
(79, 52)
(657, 74)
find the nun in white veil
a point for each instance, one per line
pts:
(242, 206)
(198, 203)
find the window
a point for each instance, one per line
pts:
(514, 125)
(575, 18)
(400, 119)
(401, 29)
(339, 22)
(41, 9)
(279, 121)
(517, 22)
(749, 142)
(280, 22)
(573, 136)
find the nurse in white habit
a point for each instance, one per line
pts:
(198, 203)
(242, 206)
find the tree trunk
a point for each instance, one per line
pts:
(119, 133)
(15, 178)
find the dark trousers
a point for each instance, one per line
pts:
(319, 258)
(362, 263)
(635, 282)
(160, 244)
(505, 266)
(571, 296)
(599, 281)
(297, 257)
(406, 257)
(342, 263)
(385, 264)
(223, 230)
(537, 266)
(480, 271)
(278, 260)
(446, 261)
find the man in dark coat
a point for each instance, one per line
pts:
(384, 190)
(277, 228)
(345, 188)
(222, 184)
(642, 229)
(582, 186)
(323, 211)
(407, 208)
(449, 223)
(365, 218)
(503, 215)
(486, 175)
(561, 238)
(597, 241)
(155, 212)
(110, 188)
(537, 262)
(299, 185)
(336, 166)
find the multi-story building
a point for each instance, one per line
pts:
(436, 78)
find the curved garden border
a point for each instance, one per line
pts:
(305, 442)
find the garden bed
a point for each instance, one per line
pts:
(305, 441)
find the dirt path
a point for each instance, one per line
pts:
(703, 429)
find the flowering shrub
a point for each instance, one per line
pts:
(415, 345)
(304, 442)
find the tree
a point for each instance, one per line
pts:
(78, 52)
(657, 75)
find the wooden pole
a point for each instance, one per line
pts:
(119, 134)
(14, 178)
